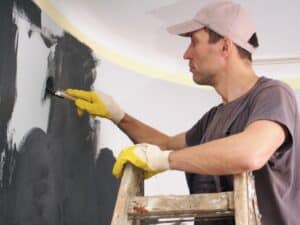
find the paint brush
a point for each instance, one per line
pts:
(50, 90)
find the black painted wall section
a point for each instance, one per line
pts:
(53, 178)
(30, 10)
(8, 65)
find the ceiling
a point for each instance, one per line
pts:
(133, 31)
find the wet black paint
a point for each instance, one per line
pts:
(8, 46)
(86, 195)
(53, 177)
(32, 189)
(28, 9)
(8, 64)
(48, 38)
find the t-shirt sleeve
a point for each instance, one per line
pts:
(194, 135)
(276, 103)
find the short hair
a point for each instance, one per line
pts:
(243, 53)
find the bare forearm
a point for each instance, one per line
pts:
(245, 151)
(218, 157)
(139, 132)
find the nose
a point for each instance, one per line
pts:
(187, 53)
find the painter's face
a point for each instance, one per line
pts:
(204, 58)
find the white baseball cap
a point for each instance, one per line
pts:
(225, 18)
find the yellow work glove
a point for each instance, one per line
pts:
(97, 103)
(149, 158)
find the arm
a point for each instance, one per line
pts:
(97, 103)
(139, 132)
(246, 151)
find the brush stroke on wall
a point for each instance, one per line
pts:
(53, 177)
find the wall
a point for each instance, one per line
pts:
(51, 168)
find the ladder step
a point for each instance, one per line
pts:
(181, 206)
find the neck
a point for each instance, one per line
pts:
(235, 82)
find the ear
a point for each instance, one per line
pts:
(227, 45)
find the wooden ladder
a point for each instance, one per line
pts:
(132, 208)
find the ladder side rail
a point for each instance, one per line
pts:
(132, 184)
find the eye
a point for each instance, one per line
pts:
(193, 42)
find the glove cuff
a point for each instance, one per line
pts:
(116, 113)
(165, 160)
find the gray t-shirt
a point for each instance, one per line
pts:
(278, 181)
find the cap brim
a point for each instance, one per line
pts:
(185, 28)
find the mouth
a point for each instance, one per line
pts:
(191, 66)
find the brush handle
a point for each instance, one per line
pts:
(66, 96)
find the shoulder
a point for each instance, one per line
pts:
(273, 90)
(265, 83)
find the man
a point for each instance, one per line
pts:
(255, 128)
